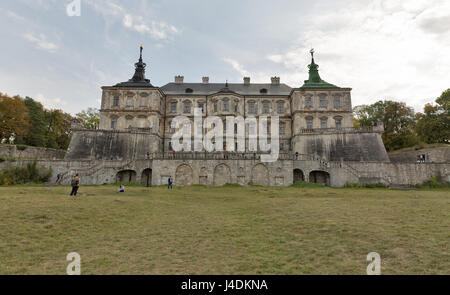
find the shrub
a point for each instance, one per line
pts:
(232, 185)
(306, 184)
(434, 182)
(28, 174)
(21, 147)
(2, 159)
(365, 185)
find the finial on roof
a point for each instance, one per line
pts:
(142, 47)
(312, 52)
(226, 83)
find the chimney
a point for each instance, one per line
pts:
(179, 79)
(246, 80)
(275, 80)
(205, 80)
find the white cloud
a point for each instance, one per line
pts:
(383, 50)
(237, 66)
(40, 41)
(158, 30)
(50, 103)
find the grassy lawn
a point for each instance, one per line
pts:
(223, 230)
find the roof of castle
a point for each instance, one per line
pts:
(238, 88)
(314, 80)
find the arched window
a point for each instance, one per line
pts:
(263, 91)
(189, 90)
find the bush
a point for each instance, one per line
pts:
(22, 175)
(231, 185)
(434, 183)
(301, 184)
(2, 159)
(365, 185)
(21, 147)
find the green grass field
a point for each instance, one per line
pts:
(223, 230)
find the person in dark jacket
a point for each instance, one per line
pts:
(75, 185)
(169, 182)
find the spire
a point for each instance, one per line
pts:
(314, 80)
(139, 73)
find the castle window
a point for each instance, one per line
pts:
(337, 102)
(200, 105)
(281, 146)
(171, 129)
(263, 91)
(186, 128)
(236, 105)
(226, 106)
(309, 123)
(308, 102)
(280, 108)
(173, 107)
(251, 108)
(265, 108)
(282, 128)
(338, 122)
(116, 101)
(187, 107)
(323, 102)
(323, 122)
(215, 107)
(189, 90)
(113, 123)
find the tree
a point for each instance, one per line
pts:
(89, 118)
(14, 118)
(58, 129)
(37, 133)
(398, 120)
(433, 125)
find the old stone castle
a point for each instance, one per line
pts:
(318, 142)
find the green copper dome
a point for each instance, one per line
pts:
(314, 80)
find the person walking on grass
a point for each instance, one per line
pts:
(75, 185)
(169, 182)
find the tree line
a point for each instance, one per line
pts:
(404, 128)
(26, 121)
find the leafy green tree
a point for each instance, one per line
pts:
(433, 125)
(58, 129)
(14, 118)
(398, 120)
(89, 118)
(37, 133)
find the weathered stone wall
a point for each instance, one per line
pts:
(335, 146)
(436, 155)
(31, 152)
(244, 172)
(104, 144)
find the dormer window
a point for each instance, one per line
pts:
(189, 90)
(263, 91)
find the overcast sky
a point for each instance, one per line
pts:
(383, 49)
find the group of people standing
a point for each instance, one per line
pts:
(423, 158)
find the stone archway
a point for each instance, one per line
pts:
(126, 176)
(183, 175)
(298, 175)
(260, 175)
(146, 178)
(222, 174)
(321, 177)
